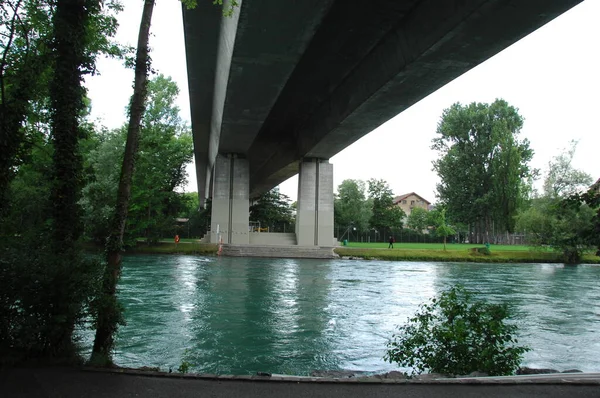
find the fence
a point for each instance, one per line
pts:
(404, 235)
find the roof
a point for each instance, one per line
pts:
(406, 195)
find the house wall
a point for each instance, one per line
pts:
(412, 201)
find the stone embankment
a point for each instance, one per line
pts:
(396, 375)
(290, 251)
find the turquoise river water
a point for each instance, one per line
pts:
(241, 315)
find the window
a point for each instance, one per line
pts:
(412, 202)
(404, 202)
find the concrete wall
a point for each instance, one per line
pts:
(273, 238)
(314, 217)
(230, 203)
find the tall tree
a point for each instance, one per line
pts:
(109, 314)
(28, 49)
(24, 67)
(562, 217)
(351, 207)
(562, 179)
(385, 215)
(483, 166)
(165, 149)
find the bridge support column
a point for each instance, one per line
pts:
(314, 216)
(230, 200)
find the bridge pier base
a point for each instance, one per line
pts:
(230, 200)
(314, 216)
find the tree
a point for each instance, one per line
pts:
(560, 218)
(456, 334)
(591, 198)
(29, 48)
(483, 166)
(164, 151)
(273, 209)
(109, 314)
(437, 218)
(385, 215)
(351, 207)
(47, 47)
(562, 180)
(417, 219)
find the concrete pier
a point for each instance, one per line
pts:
(314, 217)
(230, 200)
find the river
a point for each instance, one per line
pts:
(245, 315)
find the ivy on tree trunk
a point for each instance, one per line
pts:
(66, 96)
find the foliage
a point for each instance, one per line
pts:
(562, 217)
(418, 219)
(456, 334)
(562, 179)
(272, 209)
(198, 217)
(185, 365)
(483, 166)
(42, 298)
(437, 218)
(385, 215)
(165, 149)
(29, 49)
(351, 208)
(46, 284)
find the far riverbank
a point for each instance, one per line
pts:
(414, 253)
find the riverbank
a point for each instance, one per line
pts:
(467, 254)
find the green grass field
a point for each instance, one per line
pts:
(400, 252)
(437, 246)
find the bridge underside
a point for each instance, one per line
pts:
(285, 81)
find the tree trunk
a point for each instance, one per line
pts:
(109, 312)
(66, 96)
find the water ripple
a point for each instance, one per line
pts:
(240, 316)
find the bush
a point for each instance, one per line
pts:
(454, 335)
(482, 250)
(43, 298)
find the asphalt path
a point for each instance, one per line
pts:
(66, 383)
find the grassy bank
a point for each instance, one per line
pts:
(172, 248)
(438, 246)
(400, 252)
(458, 253)
(164, 247)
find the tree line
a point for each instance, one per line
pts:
(485, 190)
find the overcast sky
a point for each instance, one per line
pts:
(552, 76)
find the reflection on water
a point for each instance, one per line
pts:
(240, 316)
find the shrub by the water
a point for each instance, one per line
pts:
(456, 334)
(43, 298)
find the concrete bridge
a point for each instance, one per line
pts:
(283, 85)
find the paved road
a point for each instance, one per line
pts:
(59, 382)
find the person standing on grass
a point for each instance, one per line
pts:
(391, 240)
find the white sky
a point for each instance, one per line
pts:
(552, 76)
